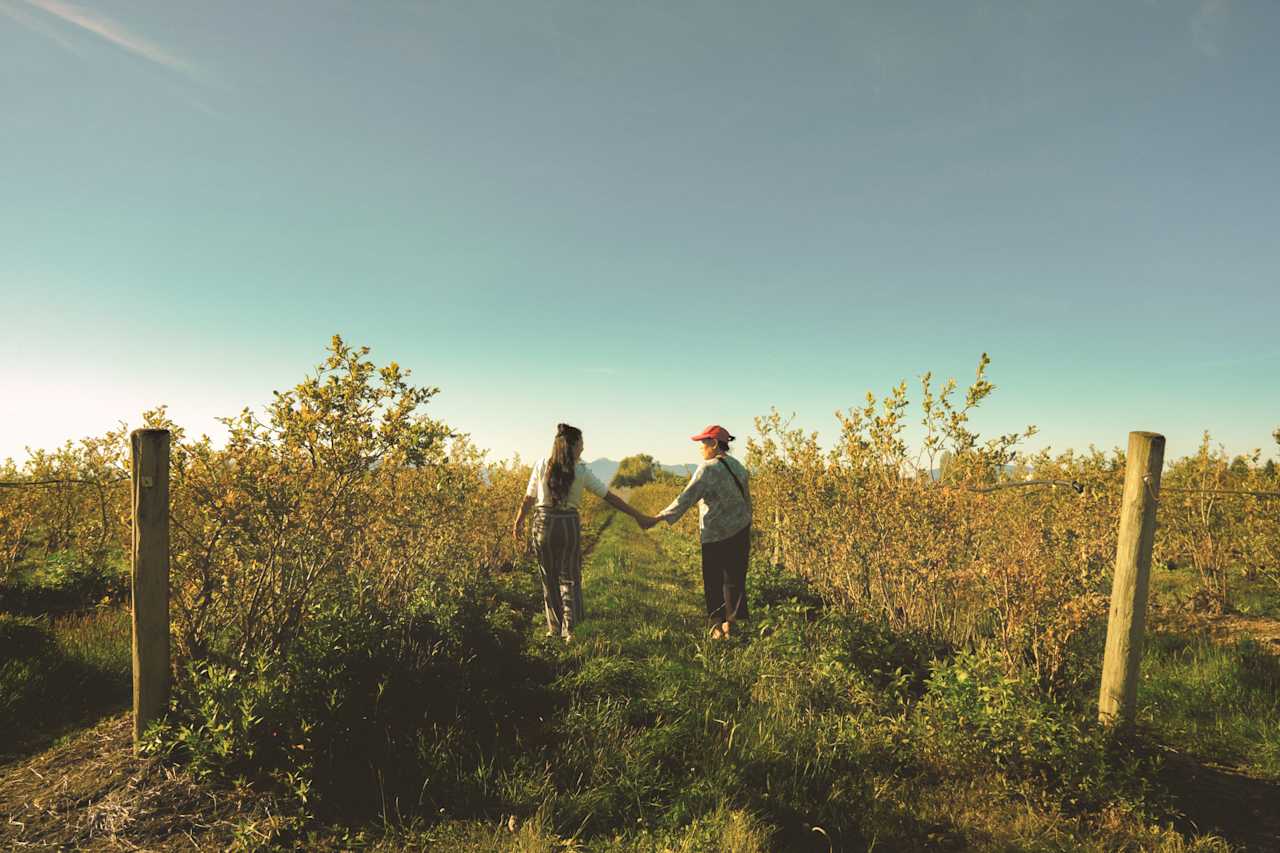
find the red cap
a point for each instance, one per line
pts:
(715, 431)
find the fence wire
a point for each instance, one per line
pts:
(1070, 484)
(1079, 488)
(19, 484)
(1220, 492)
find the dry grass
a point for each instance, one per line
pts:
(967, 817)
(1231, 627)
(93, 793)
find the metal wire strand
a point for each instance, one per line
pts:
(1146, 479)
(1220, 492)
(1072, 484)
(19, 484)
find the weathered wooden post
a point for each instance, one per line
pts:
(150, 577)
(1118, 697)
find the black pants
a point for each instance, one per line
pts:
(724, 576)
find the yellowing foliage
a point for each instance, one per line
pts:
(1029, 569)
(343, 489)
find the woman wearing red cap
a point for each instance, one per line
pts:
(555, 487)
(722, 493)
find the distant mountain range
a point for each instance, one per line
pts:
(606, 468)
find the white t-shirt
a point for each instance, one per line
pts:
(582, 479)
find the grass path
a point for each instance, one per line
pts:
(653, 707)
(674, 741)
(643, 592)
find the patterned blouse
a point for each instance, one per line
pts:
(723, 509)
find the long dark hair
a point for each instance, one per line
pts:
(560, 463)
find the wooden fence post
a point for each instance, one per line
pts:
(1118, 696)
(150, 577)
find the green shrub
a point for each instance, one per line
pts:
(66, 581)
(768, 585)
(372, 710)
(976, 716)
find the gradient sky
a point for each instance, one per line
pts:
(644, 217)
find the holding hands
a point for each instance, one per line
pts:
(616, 501)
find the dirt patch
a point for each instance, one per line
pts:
(92, 792)
(1225, 628)
(1230, 627)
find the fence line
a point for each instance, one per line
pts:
(1075, 485)
(149, 586)
(18, 484)
(1080, 488)
(1221, 492)
(1126, 625)
(1071, 484)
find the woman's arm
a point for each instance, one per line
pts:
(615, 500)
(691, 495)
(521, 512)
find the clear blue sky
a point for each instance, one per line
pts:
(644, 217)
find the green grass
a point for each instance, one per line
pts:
(64, 647)
(1213, 699)
(1219, 702)
(668, 736)
(65, 582)
(814, 730)
(59, 674)
(1258, 596)
(1172, 588)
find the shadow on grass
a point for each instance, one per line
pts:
(1241, 809)
(59, 676)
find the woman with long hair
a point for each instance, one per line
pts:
(555, 490)
(723, 495)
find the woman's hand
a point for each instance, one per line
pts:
(517, 526)
(646, 521)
